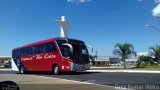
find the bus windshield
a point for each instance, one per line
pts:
(80, 52)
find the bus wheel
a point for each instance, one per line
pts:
(21, 70)
(56, 70)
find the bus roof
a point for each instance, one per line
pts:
(45, 41)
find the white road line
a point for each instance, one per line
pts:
(113, 87)
(72, 81)
(126, 71)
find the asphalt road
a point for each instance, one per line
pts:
(111, 79)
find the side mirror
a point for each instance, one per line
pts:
(89, 46)
(69, 45)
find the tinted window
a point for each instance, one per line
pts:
(60, 42)
(47, 47)
(42, 48)
(14, 53)
(51, 47)
(33, 50)
(27, 51)
(20, 53)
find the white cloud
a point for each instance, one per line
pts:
(78, 1)
(157, 1)
(156, 10)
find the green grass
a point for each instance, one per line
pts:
(5, 68)
(150, 67)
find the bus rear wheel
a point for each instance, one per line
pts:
(21, 70)
(56, 70)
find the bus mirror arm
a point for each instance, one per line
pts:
(69, 45)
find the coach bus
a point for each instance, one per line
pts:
(54, 55)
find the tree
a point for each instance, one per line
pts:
(155, 52)
(124, 50)
(92, 59)
(144, 60)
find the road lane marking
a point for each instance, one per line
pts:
(72, 81)
(113, 87)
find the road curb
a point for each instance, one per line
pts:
(125, 71)
(8, 69)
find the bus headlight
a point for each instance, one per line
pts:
(71, 65)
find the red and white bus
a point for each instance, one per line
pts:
(55, 55)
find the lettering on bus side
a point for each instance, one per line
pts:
(47, 56)
(27, 58)
(37, 57)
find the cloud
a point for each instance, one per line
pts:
(156, 10)
(78, 1)
(157, 1)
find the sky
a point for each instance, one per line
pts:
(99, 23)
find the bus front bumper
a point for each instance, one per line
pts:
(80, 67)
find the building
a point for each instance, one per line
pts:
(5, 61)
(143, 54)
(107, 60)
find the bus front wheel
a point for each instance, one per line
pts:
(56, 70)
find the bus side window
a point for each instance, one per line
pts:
(40, 48)
(17, 53)
(37, 50)
(14, 53)
(51, 47)
(20, 53)
(43, 48)
(23, 52)
(28, 51)
(54, 47)
(33, 50)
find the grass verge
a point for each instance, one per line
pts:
(150, 67)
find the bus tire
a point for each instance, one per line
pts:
(21, 70)
(56, 70)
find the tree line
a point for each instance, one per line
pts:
(126, 50)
